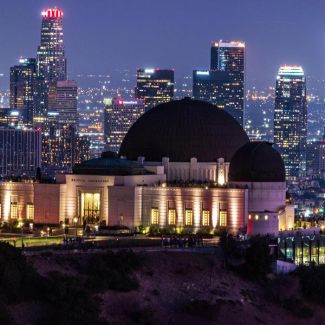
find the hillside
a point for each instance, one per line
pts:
(183, 288)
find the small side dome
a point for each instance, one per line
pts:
(257, 162)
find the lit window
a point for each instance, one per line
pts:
(249, 217)
(30, 211)
(90, 207)
(154, 216)
(172, 217)
(205, 218)
(13, 210)
(256, 217)
(266, 217)
(223, 218)
(188, 217)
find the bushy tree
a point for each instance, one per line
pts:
(258, 257)
(312, 279)
(18, 279)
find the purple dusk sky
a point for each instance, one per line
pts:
(102, 35)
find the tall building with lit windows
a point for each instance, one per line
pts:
(154, 86)
(20, 151)
(209, 85)
(22, 81)
(228, 57)
(51, 60)
(62, 149)
(290, 119)
(119, 116)
(63, 102)
(224, 84)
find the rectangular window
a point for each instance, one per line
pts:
(223, 218)
(206, 218)
(14, 210)
(154, 216)
(188, 217)
(30, 211)
(172, 217)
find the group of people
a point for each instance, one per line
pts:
(181, 241)
(73, 241)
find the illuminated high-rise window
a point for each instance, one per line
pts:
(206, 218)
(223, 218)
(90, 207)
(30, 211)
(172, 217)
(14, 210)
(155, 216)
(188, 217)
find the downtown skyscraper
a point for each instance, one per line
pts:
(22, 84)
(155, 86)
(62, 102)
(290, 119)
(224, 84)
(51, 61)
(119, 116)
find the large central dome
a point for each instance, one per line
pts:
(184, 129)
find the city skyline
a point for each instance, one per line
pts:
(173, 38)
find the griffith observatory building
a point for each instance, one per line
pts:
(184, 164)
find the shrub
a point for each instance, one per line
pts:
(140, 315)
(203, 309)
(142, 229)
(312, 281)
(298, 308)
(229, 245)
(206, 232)
(70, 302)
(5, 317)
(112, 271)
(154, 231)
(18, 279)
(258, 257)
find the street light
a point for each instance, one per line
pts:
(75, 220)
(21, 224)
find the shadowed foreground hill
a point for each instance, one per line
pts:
(147, 288)
(177, 288)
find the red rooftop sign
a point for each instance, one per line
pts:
(52, 13)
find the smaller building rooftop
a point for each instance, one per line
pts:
(109, 164)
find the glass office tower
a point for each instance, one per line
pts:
(154, 86)
(290, 119)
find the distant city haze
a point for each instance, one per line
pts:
(103, 35)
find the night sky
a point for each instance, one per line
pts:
(101, 35)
